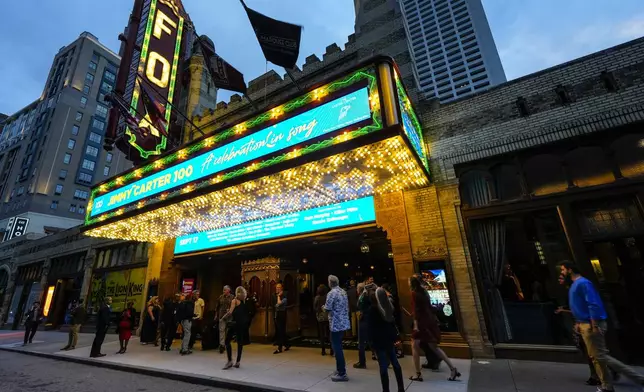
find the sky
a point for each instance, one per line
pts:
(530, 35)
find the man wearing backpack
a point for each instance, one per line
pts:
(78, 317)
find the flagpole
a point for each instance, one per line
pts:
(290, 75)
(125, 107)
(252, 103)
(139, 77)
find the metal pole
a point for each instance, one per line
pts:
(290, 75)
(171, 105)
(252, 103)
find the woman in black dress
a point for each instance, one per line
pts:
(322, 318)
(384, 335)
(238, 318)
(426, 329)
(150, 322)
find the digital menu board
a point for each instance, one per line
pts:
(348, 213)
(435, 277)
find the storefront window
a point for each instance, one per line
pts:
(517, 257)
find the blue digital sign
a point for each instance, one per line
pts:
(348, 213)
(331, 116)
(413, 133)
(414, 138)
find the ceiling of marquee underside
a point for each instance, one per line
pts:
(378, 168)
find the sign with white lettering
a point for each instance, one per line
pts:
(348, 213)
(16, 227)
(326, 118)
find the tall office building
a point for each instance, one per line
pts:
(51, 151)
(452, 47)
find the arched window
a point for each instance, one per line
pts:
(475, 188)
(628, 152)
(588, 166)
(507, 181)
(271, 292)
(254, 286)
(544, 174)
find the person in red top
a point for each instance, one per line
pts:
(426, 329)
(125, 326)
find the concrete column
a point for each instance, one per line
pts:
(160, 255)
(88, 268)
(168, 273)
(45, 274)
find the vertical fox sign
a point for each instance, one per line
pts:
(150, 86)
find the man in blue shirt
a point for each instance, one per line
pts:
(590, 316)
(337, 304)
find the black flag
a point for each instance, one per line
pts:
(223, 74)
(280, 41)
(154, 110)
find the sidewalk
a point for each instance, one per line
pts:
(503, 375)
(301, 369)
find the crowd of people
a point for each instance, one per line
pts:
(377, 327)
(366, 309)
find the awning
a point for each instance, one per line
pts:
(352, 137)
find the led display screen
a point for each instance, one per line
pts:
(410, 125)
(331, 116)
(333, 216)
(435, 276)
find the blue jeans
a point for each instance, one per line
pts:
(387, 355)
(336, 344)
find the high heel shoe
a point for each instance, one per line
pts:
(419, 377)
(454, 375)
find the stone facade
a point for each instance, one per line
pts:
(589, 94)
(43, 250)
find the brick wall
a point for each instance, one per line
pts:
(490, 123)
(436, 233)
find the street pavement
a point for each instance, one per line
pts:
(26, 373)
(301, 369)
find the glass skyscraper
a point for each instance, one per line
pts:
(452, 47)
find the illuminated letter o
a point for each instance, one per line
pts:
(165, 72)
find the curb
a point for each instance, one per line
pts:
(214, 382)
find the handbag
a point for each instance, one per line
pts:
(322, 316)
